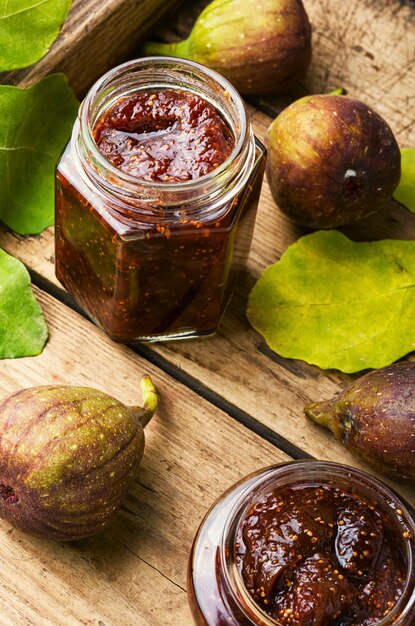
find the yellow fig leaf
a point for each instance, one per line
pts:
(338, 304)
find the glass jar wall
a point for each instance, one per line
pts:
(155, 260)
(218, 581)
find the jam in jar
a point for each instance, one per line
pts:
(156, 196)
(307, 543)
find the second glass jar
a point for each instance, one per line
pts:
(151, 260)
(217, 593)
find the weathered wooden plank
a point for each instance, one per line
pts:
(368, 47)
(97, 35)
(135, 571)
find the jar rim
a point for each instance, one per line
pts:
(243, 133)
(265, 476)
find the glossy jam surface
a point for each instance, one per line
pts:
(320, 556)
(164, 136)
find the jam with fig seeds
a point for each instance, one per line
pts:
(166, 136)
(320, 556)
(305, 543)
(156, 197)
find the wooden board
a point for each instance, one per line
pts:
(134, 573)
(97, 35)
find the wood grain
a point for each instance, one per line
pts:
(135, 571)
(368, 47)
(97, 35)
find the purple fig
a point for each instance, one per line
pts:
(259, 48)
(331, 160)
(68, 456)
(375, 419)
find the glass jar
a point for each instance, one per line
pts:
(216, 591)
(152, 260)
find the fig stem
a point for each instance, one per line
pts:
(322, 413)
(150, 400)
(168, 49)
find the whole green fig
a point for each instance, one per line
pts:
(259, 47)
(375, 419)
(331, 160)
(68, 455)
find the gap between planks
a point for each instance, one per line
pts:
(178, 480)
(157, 359)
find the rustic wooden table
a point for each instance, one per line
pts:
(228, 404)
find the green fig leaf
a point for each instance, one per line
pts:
(338, 304)
(27, 30)
(35, 125)
(405, 191)
(23, 330)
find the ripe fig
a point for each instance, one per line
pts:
(331, 160)
(68, 455)
(259, 49)
(375, 419)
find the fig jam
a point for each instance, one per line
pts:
(320, 555)
(165, 136)
(156, 197)
(305, 543)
